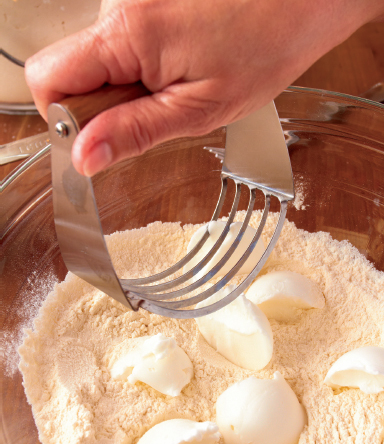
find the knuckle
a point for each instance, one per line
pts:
(139, 134)
(205, 117)
(33, 72)
(124, 38)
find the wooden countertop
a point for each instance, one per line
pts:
(351, 68)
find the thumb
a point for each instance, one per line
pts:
(132, 128)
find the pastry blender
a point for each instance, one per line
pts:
(255, 155)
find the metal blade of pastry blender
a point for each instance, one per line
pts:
(260, 155)
(20, 149)
(77, 221)
(76, 216)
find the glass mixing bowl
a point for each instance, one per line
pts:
(26, 27)
(336, 145)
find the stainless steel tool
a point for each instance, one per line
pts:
(255, 155)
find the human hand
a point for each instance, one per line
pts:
(207, 63)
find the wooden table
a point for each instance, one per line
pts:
(351, 68)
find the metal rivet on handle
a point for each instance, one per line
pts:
(61, 129)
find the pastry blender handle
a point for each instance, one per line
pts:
(76, 216)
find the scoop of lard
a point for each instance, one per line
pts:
(361, 368)
(158, 362)
(239, 331)
(180, 431)
(281, 294)
(260, 411)
(215, 228)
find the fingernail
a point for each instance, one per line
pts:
(99, 157)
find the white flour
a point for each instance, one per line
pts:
(80, 332)
(27, 310)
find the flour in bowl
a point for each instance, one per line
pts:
(80, 332)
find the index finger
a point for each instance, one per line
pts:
(81, 63)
